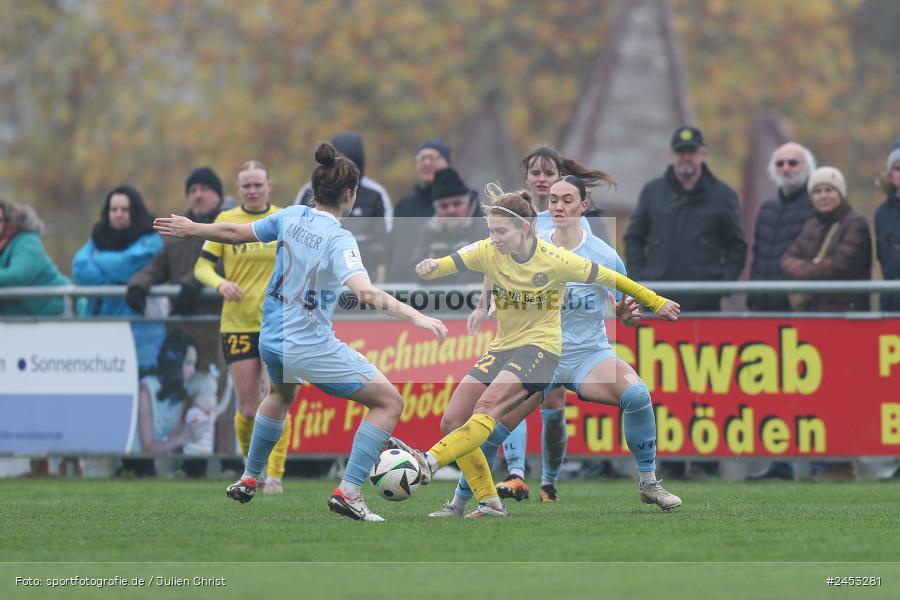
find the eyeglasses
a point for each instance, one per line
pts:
(428, 158)
(790, 162)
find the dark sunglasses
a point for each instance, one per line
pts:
(791, 163)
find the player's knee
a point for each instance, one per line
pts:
(393, 404)
(636, 397)
(449, 423)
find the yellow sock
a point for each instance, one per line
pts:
(463, 440)
(243, 429)
(279, 453)
(478, 474)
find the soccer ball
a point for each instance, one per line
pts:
(395, 475)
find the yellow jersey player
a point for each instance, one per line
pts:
(529, 278)
(247, 268)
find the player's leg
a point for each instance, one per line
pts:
(462, 444)
(278, 456)
(514, 450)
(385, 405)
(459, 409)
(267, 429)
(554, 439)
(245, 375)
(613, 381)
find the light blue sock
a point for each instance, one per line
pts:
(640, 426)
(554, 439)
(490, 448)
(368, 443)
(266, 432)
(515, 446)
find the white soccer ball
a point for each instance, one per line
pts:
(395, 475)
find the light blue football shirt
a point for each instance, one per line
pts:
(314, 257)
(584, 307)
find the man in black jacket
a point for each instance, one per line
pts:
(780, 220)
(686, 226)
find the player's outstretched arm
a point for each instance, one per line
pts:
(662, 307)
(435, 268)
(627, 310)
(485, 308)
(227, 233)
(361, 285)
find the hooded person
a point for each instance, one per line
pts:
(122, 242)
(175, 263)
(458, 221)
(834, 244)
(372, 217)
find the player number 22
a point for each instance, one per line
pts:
(485, 362)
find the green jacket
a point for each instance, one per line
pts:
(24, 262)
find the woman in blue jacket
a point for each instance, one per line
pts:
(121, 244)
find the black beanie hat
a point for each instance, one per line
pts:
(207, 177)
(437, 144)
(447, 183)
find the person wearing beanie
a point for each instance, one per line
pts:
(457, 222)
(175, 263)
(834, 244)
(204, 176)
(887, 227)
(372, 218)
(431, 156)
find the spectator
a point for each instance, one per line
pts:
(780, 220)
(834, 244)
(121, 243)
(432, 156)
(24, 262)
(373, 214)
(686, 226)
(887, 227)
(175, 263)
(542, 167)
(458, 221)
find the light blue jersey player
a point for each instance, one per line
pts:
(315, 258)
(588, 365)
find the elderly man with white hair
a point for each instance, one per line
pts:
(780, 220)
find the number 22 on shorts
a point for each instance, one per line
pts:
(484, 363)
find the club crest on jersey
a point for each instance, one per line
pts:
(540, 279)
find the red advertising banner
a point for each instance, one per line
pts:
(721, 388)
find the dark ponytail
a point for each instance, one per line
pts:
(335, 174)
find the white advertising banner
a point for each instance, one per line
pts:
(67, 387)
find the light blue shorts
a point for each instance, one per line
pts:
(333, 367)
(575, 365)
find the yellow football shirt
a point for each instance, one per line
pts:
(529, 294)
(248, 265)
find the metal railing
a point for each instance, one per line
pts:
(669, 288)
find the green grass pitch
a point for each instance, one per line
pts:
(728, 540)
